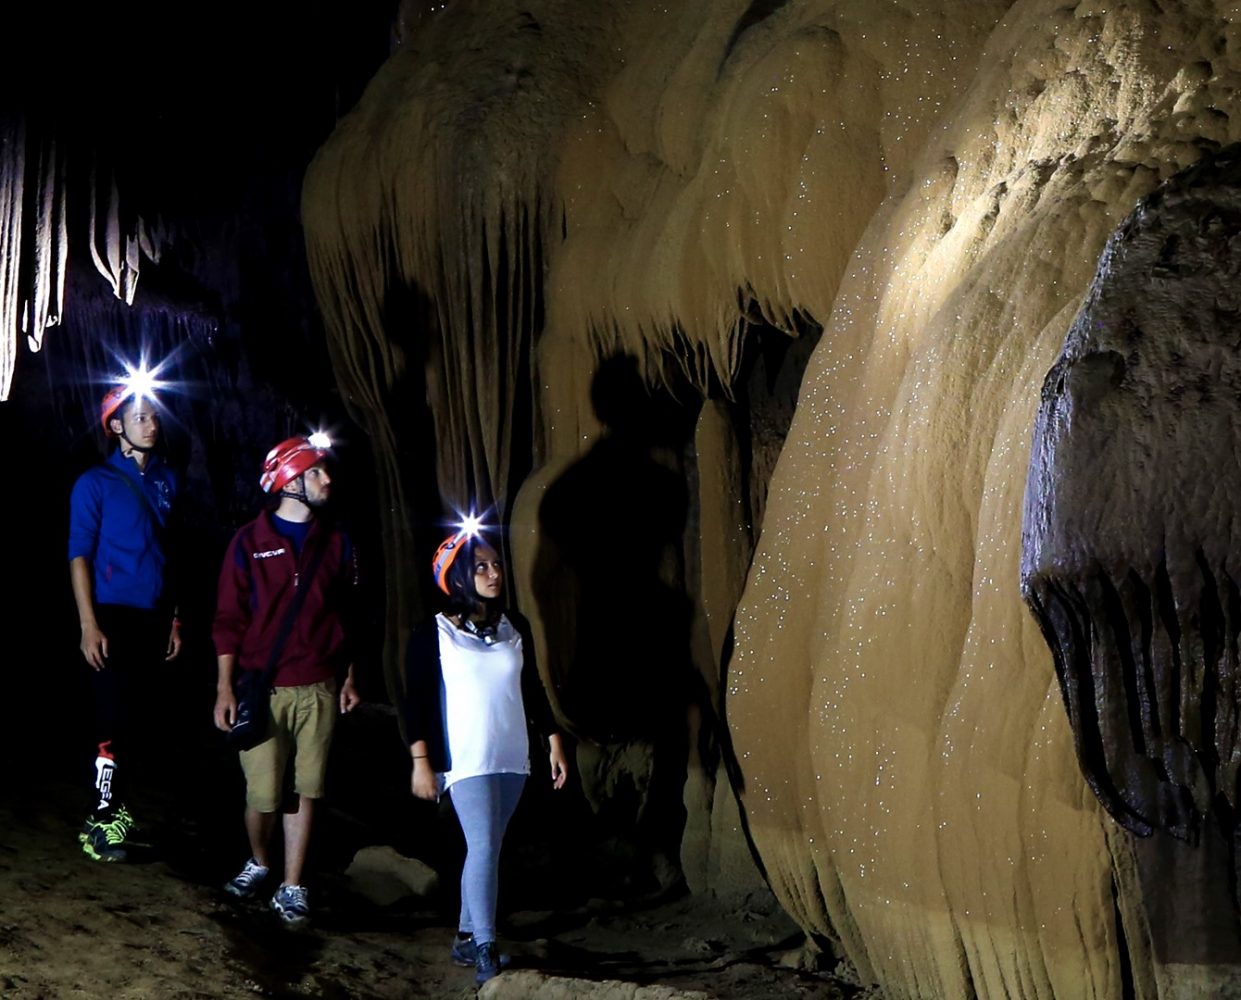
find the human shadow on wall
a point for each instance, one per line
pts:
(609, 580)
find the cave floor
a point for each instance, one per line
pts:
(160, 926)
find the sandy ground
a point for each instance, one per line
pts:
(161, 927)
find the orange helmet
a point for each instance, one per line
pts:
(445, 556)
(452, 546)
(112, 401)
(288, 460)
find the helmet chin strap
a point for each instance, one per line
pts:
(300, 496)
(142, 449)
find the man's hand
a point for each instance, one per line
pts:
(94, 645)
(349, 697)
(423, 783)
(174, 642)
(225, 710)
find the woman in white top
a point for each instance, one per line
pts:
(473, 691)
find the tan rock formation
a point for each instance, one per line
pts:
(555, 182)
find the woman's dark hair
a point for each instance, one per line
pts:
(463, 599)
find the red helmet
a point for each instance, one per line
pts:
(112, 401)
(288, 460)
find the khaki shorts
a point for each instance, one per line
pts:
(301, 723)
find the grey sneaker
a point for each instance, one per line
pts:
(292, 902)
(245, 884)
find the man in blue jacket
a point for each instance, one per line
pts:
(118, 512)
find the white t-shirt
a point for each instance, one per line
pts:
(484, 719)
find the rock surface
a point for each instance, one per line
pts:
(932, 184)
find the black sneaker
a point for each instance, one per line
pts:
(486, 962)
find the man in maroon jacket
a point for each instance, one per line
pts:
(267, 560)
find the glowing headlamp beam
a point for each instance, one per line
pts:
(320, 440)
(142, 383)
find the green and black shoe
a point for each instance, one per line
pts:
(103, 841)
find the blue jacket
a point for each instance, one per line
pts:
(117, 515)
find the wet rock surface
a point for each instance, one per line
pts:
(1130, 545)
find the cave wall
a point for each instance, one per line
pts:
(544, 187)
(975, 860)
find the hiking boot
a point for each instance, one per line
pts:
(103, 841)
(486, 962)
(292, 902)
(465, 953)
(245, 884)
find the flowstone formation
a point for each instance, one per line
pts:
(529, 191)
(1131, 556)
(1131, 559)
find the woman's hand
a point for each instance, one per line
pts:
(560, 764)
(174, 641)
(424, 783)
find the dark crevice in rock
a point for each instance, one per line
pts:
(1127, 989)
(757, 11)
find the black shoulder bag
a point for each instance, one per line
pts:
(253, 687)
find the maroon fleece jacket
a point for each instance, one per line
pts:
(257, 582)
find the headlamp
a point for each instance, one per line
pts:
(141, 383)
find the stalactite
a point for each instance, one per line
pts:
(50, 252)
(119, 239)
(12, 198)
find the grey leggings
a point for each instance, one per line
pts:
(484, 806)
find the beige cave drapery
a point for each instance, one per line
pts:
(933, 182)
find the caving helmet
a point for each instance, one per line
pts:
(290, 458)
(450, 548)
(138, 382)
(111, 403)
